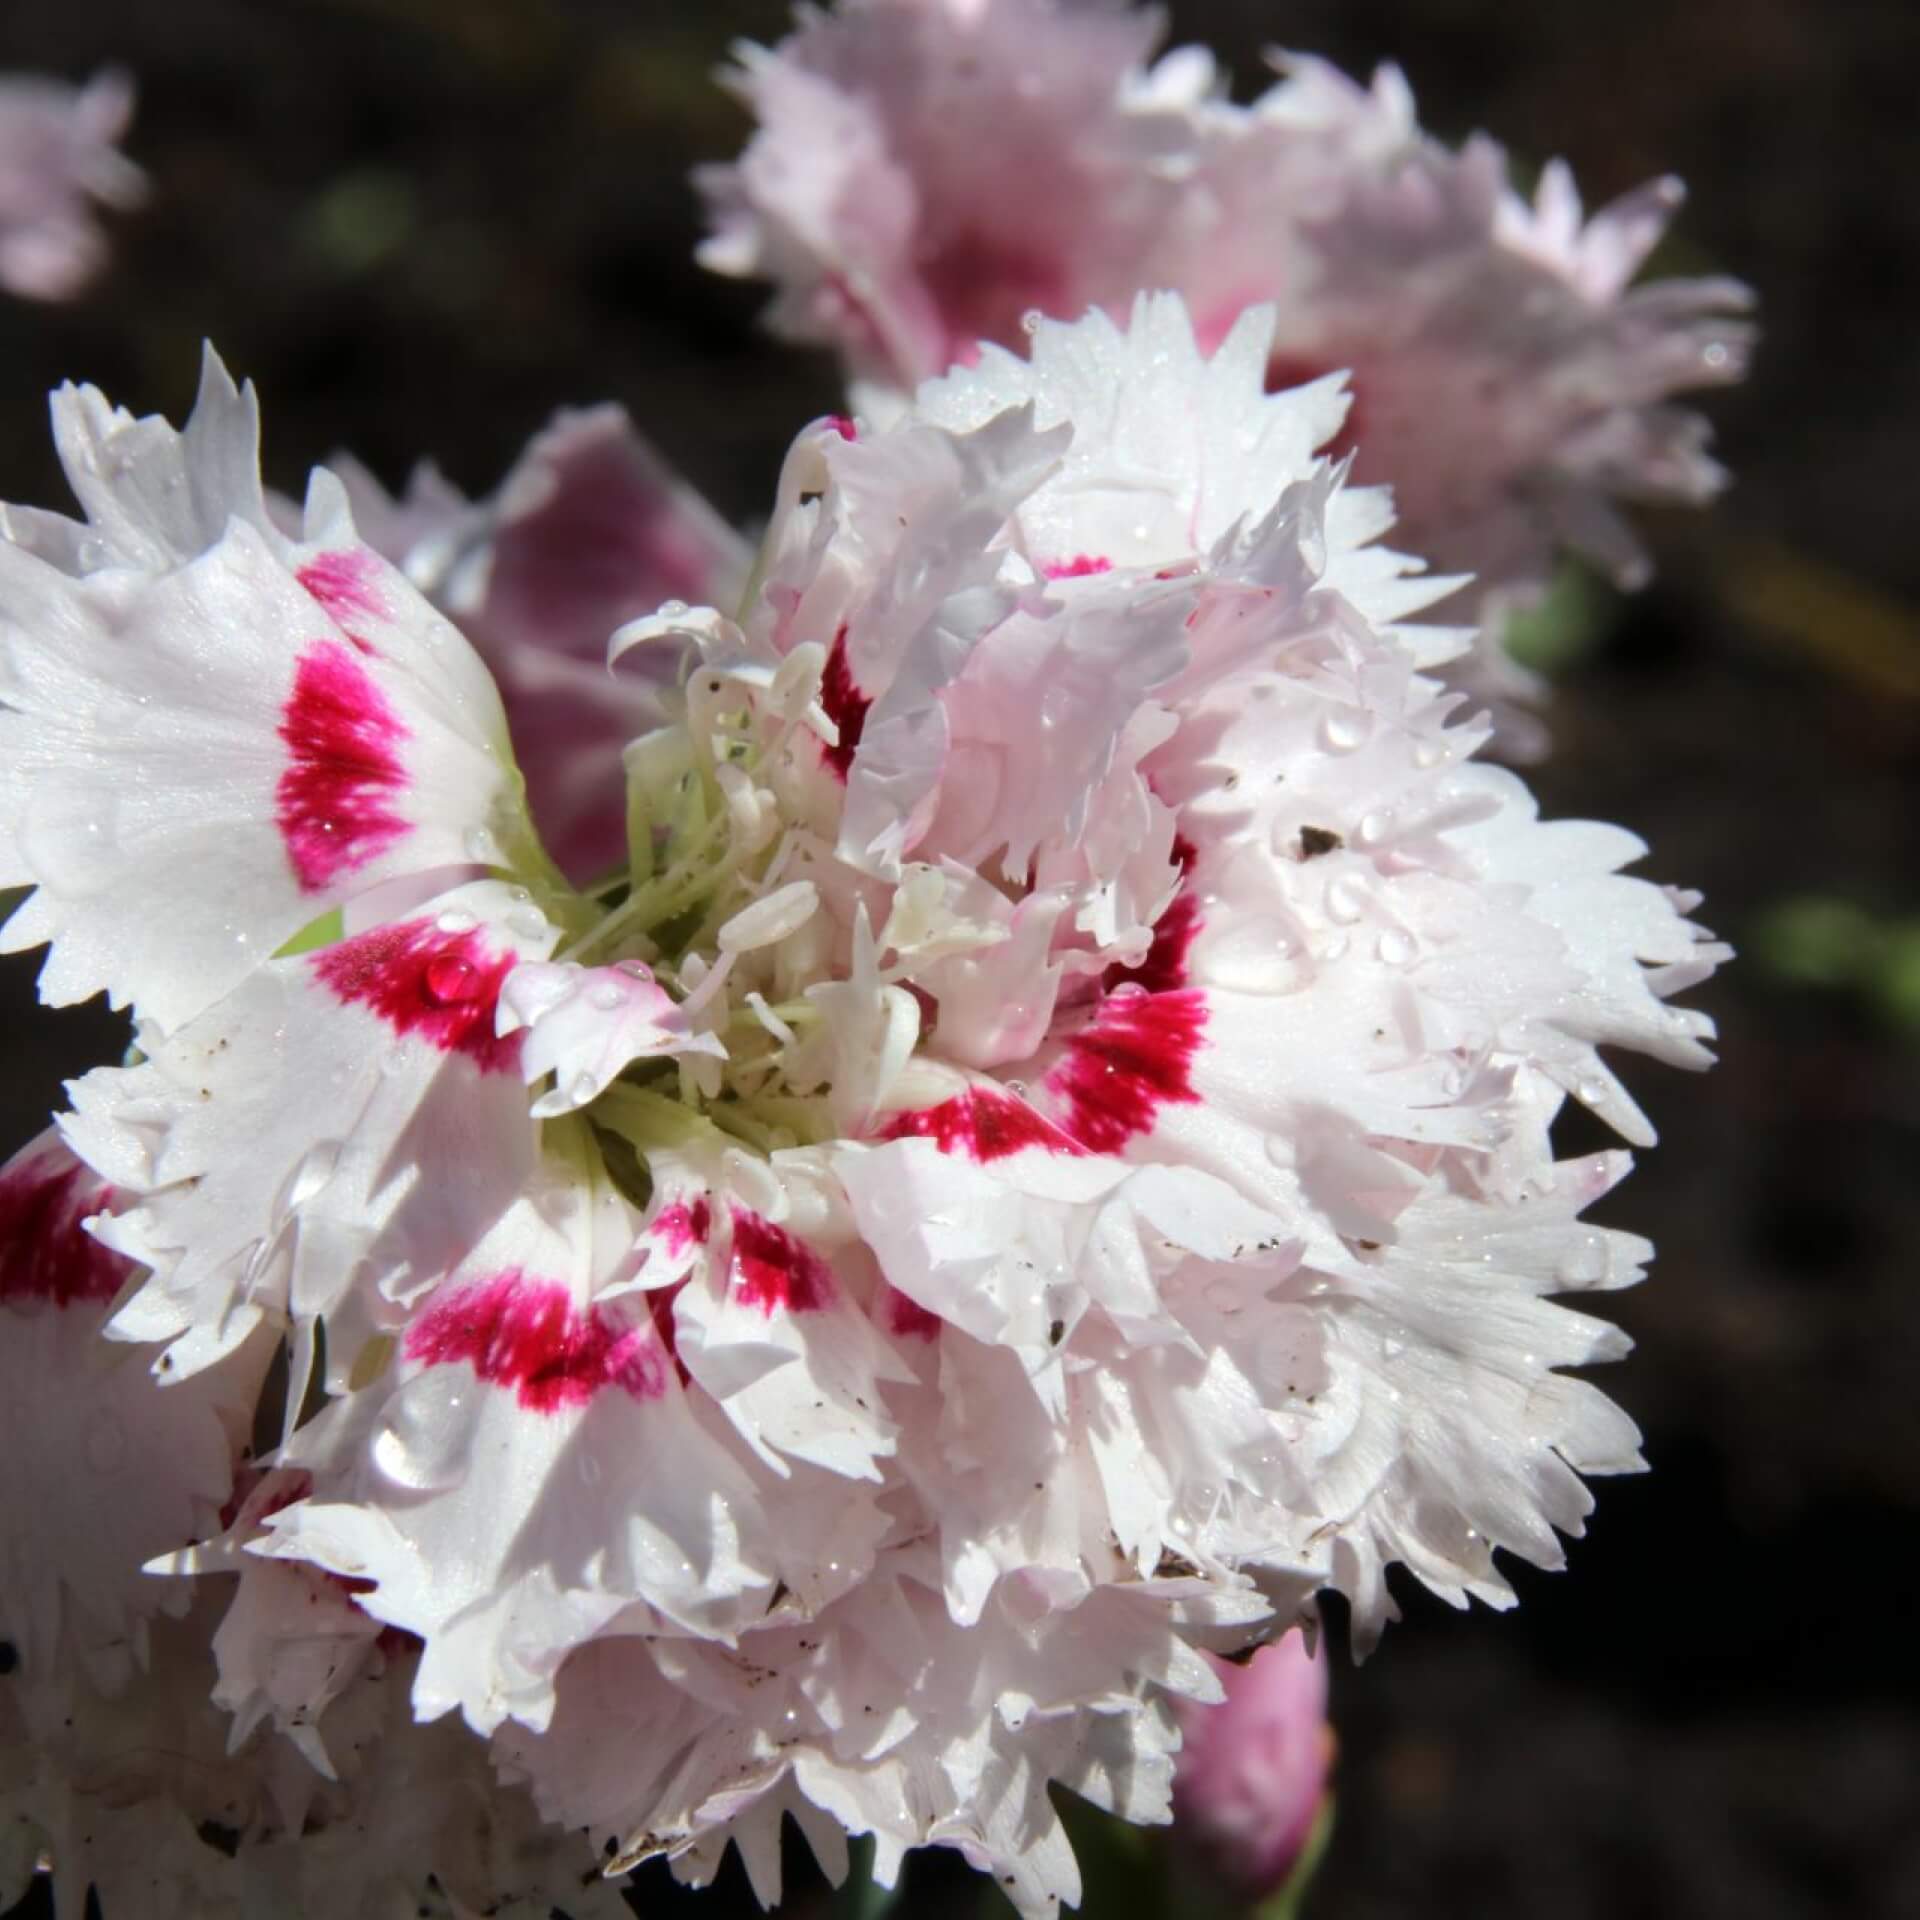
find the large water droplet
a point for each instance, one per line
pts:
(455, 921)
(1346, 900)
(1394, 948)
(449, 980)
(422, 1438)
(315, 1169)
(1342, 730)
(1583, 1261)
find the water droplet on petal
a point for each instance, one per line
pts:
(528, 922)
(1346, 900)
(1583, 1261)
(449, 980)
(1591, 1092)
(483, 848)
(1343, 730)
(606, 998)
(582, 1088)
(421, 1442)
(455, 921)
(1394, 948)
(315, 1169)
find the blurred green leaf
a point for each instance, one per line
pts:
(1815, 941)
(317, 933)
(1835, 944)
(360, 220)
(1566, 624)
(1896, 977)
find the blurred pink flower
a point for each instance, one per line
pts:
(1252, 1776)
(56, 155)
(590, 529)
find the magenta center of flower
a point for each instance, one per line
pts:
(335, 797)
(342, 582)
(845, 705)
(772, 1269)
(1134, 1059)
(528, 1335)
(45, 1253)
(982, 1124)
(427, 984)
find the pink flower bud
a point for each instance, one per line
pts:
(1253, 1770)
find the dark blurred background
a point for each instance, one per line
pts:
(420, 225)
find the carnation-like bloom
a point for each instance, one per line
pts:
(1037, 1163)
(925, 172)
(57, 157)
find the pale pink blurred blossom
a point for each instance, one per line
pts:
(57, 157)
(1252, 1777)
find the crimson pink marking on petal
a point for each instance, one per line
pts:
(983, 1124)
(906, 1316)
(843, 426)
(1165, 967)
(334, 798)
(1078, 567)
(342, 582)
(682, 1226)
(1132, 1061)
(846, 706)
(660, 1305)
(773, 1269)
(439, 987)
(983, 284)
(45, 1253)
(527, 1334)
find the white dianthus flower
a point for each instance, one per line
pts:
(1038, 1163)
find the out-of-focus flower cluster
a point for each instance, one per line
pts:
(813, 1225)
(57, 158)
(927, 173)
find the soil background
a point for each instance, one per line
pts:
(421, 225)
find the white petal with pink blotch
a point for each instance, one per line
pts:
(217, 731)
